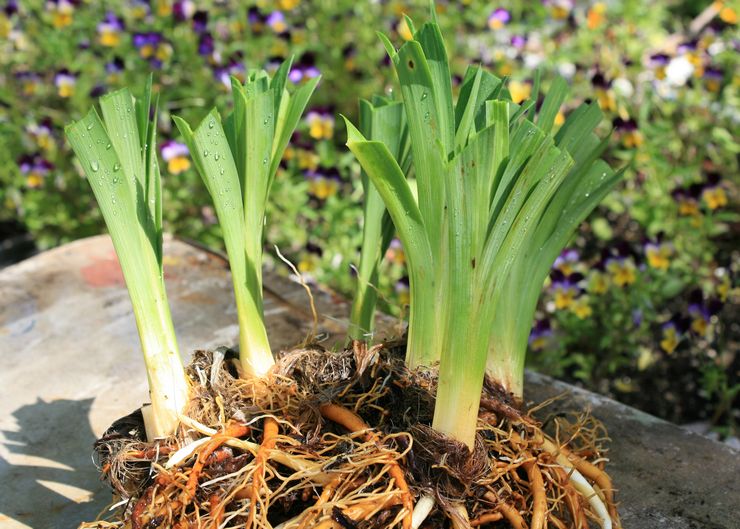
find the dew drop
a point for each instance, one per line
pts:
(90, 125)
(221, 171)
(94, 165)
(216, 156)
(115, 179)
(423, 96)
(113, 199)
(116, 166)
(107, 147)
(264, 161)
(205, 152)
(587, 195)
(426, 116)
(211, 124)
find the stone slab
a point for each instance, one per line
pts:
(71, 365)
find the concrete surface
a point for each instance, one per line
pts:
(71, 365)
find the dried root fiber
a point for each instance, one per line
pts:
(343, 441)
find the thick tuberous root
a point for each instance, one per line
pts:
(343, 441)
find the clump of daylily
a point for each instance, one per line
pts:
(118, 155)
(238, 158)
(497, 196)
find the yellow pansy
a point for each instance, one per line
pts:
(598, 283)
(581, 308)
(669, 341)
(595, 16)
(658, 255)
(519, 91)
(178, 165)
(715, 197)
(622, 271)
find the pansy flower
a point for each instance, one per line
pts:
(679, 71)
(670, 336)
(349, 52)
(622, 270)
(596, 15)
(519, 90)
(598, 282)
(29, 81)
(6, 26)
(713, 194)
(604, 94)
(140, 9)
(519, 41)
(305, 157)
(701, 312)
(206, 46)
(628, 131)
(727, 14)
(61, 12)
(256, 19)
(565, 288)
(304, 69)
(109, 30)
(559, 9)
(234, 68)
(183, 10)
(581, 307)
(114, 68)
(11, 8)
(724, 284)
(498, 18)
(687, 200)
(65, 82)
(394, 253)
(200, 21)
(276, 20)
(152, 47)
(42, 134)
(659, 61)
(713, 78)
(323, 184)
(402, 291)
(97, 91)
(288, 4)
(35, 168)
(320, 124)
(566, 262)
(658, 254)
(310, 258)
(176, 156)
(540, 335)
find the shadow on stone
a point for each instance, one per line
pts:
(51, 481)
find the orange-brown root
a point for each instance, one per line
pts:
(539, 499)
(354, 423)
(572, 500)
(598, 476)
(487, 518)
(269, 438)
(231, 430)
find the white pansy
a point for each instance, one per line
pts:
(623, 87)
(678, 71)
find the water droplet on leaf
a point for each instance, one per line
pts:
(94, 165)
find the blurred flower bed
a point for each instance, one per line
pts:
(643, 306)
